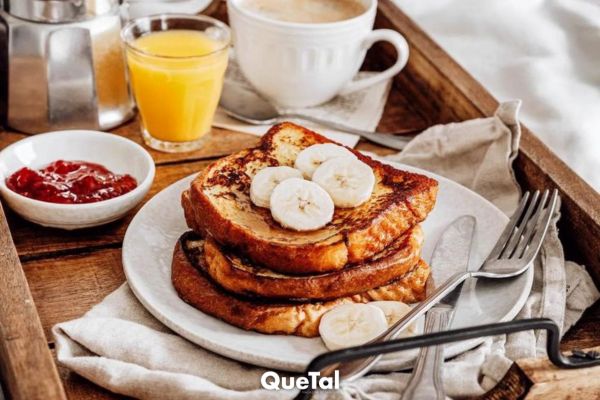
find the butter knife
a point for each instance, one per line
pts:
(451, 255)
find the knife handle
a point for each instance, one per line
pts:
(426, 381)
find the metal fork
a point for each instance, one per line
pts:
(514, 252)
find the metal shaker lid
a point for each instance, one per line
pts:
(57, 11)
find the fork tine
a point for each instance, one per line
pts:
(509, 228)
(531, 226)
(542, 227)
(516, 234)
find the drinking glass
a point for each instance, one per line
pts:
(176, 66)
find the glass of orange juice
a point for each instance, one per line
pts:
(176, 68)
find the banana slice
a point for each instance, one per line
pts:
(350, 325)
(348, 181)
(265, 181)
(394, 310)
(301, 205)
(312, 157)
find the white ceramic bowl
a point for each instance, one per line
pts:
(119, 155)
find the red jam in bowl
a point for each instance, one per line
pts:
(70, 182)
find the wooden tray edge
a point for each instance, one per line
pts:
(26, 364)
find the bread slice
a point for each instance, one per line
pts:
(218, 203)
(301, 319)
(238, 275)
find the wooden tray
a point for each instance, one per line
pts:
(50, 276)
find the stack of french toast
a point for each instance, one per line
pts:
(278, 238)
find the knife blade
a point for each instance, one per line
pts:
(451, 255)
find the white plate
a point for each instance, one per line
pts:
(151, 236)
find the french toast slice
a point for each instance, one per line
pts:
(218, 203)
(301, 319)
(238, 275)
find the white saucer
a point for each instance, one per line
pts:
(151, 236)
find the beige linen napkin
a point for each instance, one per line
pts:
(361, 109)
(120, 346)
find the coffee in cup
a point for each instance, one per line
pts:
(305, 11)
(301, 53)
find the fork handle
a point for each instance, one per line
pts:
(426, 381)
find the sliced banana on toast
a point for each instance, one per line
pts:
(312, 157)
(351, 325)
(394, 310)
(339, 179)
(355, 324)
(301, 205)
(348, 181)
(266, 180)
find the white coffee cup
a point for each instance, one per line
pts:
(304, 64)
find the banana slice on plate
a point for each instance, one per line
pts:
(265, 181)
(312, 157)
(348, 181)
(351, 325)
(394, 310)
(301, 205)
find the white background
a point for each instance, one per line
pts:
(546, 53)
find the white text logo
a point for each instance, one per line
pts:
(270, 380)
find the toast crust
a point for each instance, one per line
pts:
(239, 275)
(218, 203)
(301, 319)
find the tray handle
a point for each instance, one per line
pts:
(577, 360)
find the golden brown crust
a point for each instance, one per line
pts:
(325, 256)
(189, 213)
(218, 203)
(301, 319)
(240, 276)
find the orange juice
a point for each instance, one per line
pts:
(177, 76)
